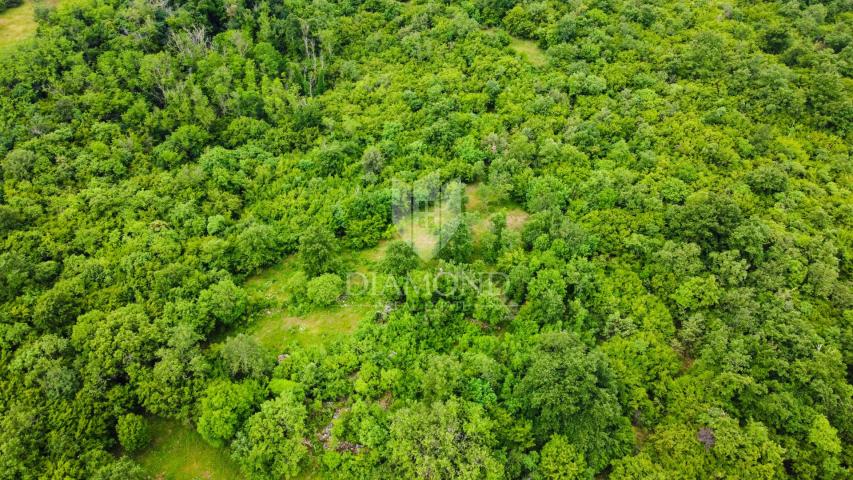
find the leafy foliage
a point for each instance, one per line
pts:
(132, 432)
(651, 277)
(270, 444)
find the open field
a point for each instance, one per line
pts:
(278, 329)
(480, 210)
(177, 452)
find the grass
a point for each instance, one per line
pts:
(271, 284)
(16, 24)
(529, 50)
(516, 218)
(178, 453)
(421, 229)
(277, 329)
(19, 23)
(480, 210)
(422, 226)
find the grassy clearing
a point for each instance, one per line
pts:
(480, 210)
(276, 330)
(16, 24)
(177, 452)
(276, 327)
(272, 283)
(421, 229)
(529, 50)
(365, 260)
(19, 23)
(474, 201)
(516, 218)
(422, 226)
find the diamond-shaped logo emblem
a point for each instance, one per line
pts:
(426, 212)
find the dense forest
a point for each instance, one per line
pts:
(674, 300)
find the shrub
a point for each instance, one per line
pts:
(325, 289)
(132, 432)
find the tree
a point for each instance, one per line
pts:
(776, 39)
(372, 161)
(256, 245)
(827, 449)
(445, 440)
(223, 301)
(523, 19)
(715, 446)
(318, 251)
(244, 357)
(132, 431)
(767, 180)
(270, 444)
(18, 164)
(455, 242)
(570, 391)
(59, 305)
(545, 295)
(121, 469)
(490, 308)
(114, 344)
(224, 407)
(492, 11)
(172, 385)
(545, 193)
(324, 290)
(560, 460)
(706, 219)
(645, 364)
(399, 259)
(491, 241)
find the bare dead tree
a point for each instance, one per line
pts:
(315, 63)
(191, 43)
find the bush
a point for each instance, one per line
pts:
(399, 259)
(490, 309)
(224, 301)
(325, 289)
(243, 357)
(132, 432)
